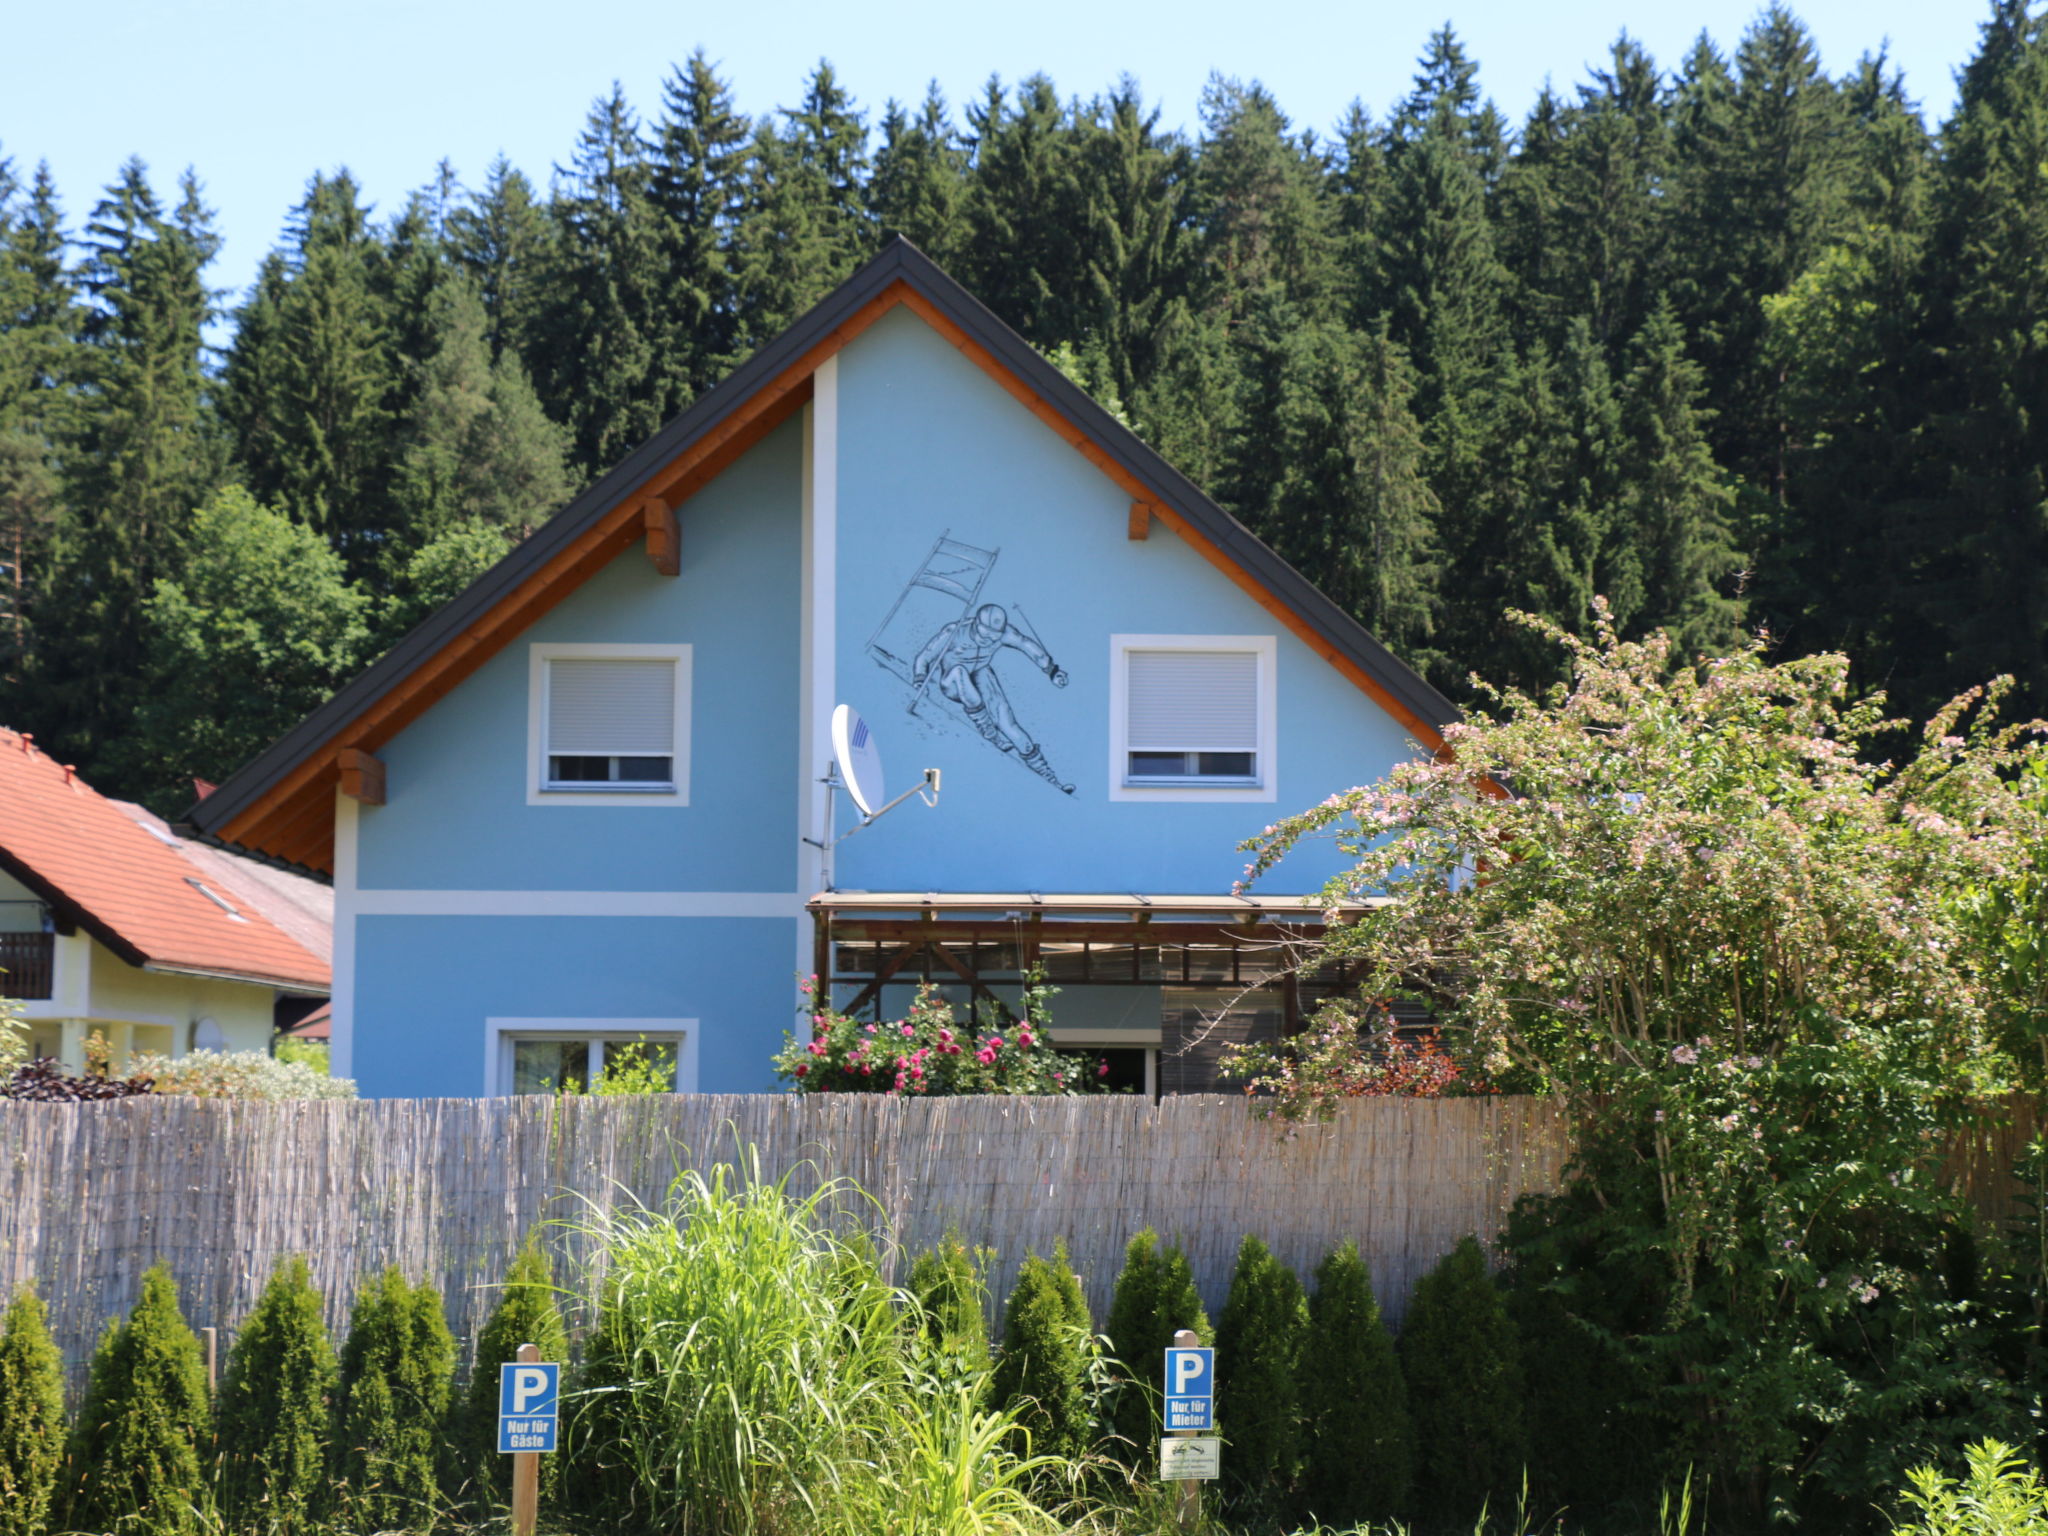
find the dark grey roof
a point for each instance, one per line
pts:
(899, 260)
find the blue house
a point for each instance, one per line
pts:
(585, 802)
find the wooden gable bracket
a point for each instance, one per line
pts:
(664, 536)
(362, 775)
(1141, 521)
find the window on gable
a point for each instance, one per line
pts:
(611, 723)
(1192, 717)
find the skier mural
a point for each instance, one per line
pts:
(942, 639)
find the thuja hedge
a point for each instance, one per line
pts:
(1326, 1419)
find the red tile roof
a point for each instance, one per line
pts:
(123, 876)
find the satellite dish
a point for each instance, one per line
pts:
(860, 763)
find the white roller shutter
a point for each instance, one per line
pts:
(1193, 701)
(611, 708)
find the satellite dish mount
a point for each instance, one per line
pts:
(856, 767)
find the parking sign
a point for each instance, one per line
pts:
(528, 1396)
(1190, 1389)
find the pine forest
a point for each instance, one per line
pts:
(1729, 341)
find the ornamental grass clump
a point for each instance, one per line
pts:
(31, 1417)
(136, 1448)
(736, 1380)
(275, 1406)
(1154, 1299)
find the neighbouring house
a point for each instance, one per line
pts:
(110, 921)
(584, 802)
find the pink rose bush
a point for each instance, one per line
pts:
(929, 1052)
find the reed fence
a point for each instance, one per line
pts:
(92, 1194)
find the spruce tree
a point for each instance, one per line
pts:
(803, 225)
(140, 460)
(136, 1445)
(1041, 1371)
(31, 1417)
(499, 238)
(1461, 1360)
(1258, 201)
(1138, 261)
(1358, 1446)
(274, 1409)
(1022, 209)
(477, 446)
(1670, 529)
(947, 1284)
(1155, 1298)
(1970, 522)
(392, 1403)
(596, 355)
(527, 1313)
(919, 186)
(39, 323)
(697, 164)
(1259, 1338)
(314, 378)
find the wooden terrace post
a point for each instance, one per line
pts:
(212, 1337)
(526, 1470)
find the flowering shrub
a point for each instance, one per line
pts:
(1352, 1051)
(929, 1051)
(1697, 906)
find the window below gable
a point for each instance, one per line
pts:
(1192, 717)
(609, 724)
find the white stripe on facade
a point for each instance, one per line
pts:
(341, 1044)
(394, 903)
(818, 664)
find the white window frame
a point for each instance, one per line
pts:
(500, 1033)
(539, 655)
(1266, 648)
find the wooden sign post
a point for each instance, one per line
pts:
(528, 1393)
(1188, 1498)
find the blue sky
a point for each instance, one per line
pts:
(257, 94)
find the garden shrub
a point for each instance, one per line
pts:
(237, 1075)
(1463, 1368)
(1358, 1445)
(1767, 959)
(391, 1406)
(1580, 1289)
(275, 1407)
(1155, 1298)
(31, 1416)
(1259, 1337)
(526, 1313)
(947, 1284)
(136, 1445)
(1041, 1372)
(1999, 1494)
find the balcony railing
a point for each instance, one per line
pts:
(27, 964)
